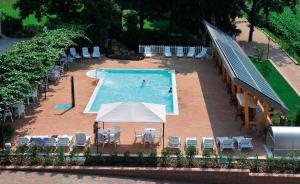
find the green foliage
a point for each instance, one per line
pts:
(47, 158)
(113, 159)
(6, 132)
(34, 159)
(259, 52)
(165, 157)
(191, 152)
(255, 166)
(61, 156)
(21, 151)
(29, 61)
(152, 160)
(206, 155)
(126, 158)
(179, 158)
(11, 25)
(140, 159)
(270, 163)
(282, 88)
(230, 161)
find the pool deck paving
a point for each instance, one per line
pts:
(204, 108)
(283, 63)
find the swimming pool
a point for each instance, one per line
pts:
(126, 85)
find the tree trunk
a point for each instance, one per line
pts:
(141, 23)
(253, 19)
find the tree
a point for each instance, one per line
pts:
(67, 10)
(258, 8)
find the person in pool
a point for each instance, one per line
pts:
(171, 90)
(143, 83)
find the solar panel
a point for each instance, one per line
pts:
(241, 66)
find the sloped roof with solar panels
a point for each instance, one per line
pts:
(241, 69)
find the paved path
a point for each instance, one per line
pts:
(6, 43)
(16, 177)
(288, 69)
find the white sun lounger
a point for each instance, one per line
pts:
(208, 142)
(148, 52)
(202, 53)
(191, 141)
(96, 52)
(64, 141)
(225, 143)
(167, 51)
(85, 53)
(23, 141)
(50, 142)
(191, 52)
(81, 139)
(243, 143)
(74, 54)
(174, 142)
(179, 51)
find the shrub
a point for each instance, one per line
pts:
(179, 158)
(11, 26)
(152, 160)
(100, 160)
(259, 52)
(113, 159)
(34, 159)
(126, 158)
(7, 156)
(165, 157)
(21, 154)
(140, 159)
(61, 156)
(72, 154)
(230, 161)
(270, 164)
(48, 159)
(191, 152)
(6, 132)
(87, 155)
(206, 155)
(255, 166)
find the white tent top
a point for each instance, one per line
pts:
(132, 112)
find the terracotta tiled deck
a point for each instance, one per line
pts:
(204, 108)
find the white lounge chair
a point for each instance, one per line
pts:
(225, 143)
(50, 142)
(19, 110)
(208, 143)
(147, 51)
(23, 141)
(96, 52)
(243, 143)
(179, 51)
(174, 142)
(38, 141)
(64, 141)
(7, 113)
(74, 54)
(167, 51)
(191, 141)
(191, 52)
(85, 53)
(202, 53)
(81, 139)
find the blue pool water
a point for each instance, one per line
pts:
(124, 85)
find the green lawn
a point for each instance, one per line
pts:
(280, 86)
(6, 6)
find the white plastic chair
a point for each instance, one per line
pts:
(179, 51)
(167, 51)
(20, 110)
(208, 142)
(148, 139)
(202, 53)
(8, 113)
(191, 141)
(116, 138)
(81, 139)
(102, 139)
(85, 53)
(74, 54)
(191, 52)
(96, 52)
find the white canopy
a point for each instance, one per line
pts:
(132, 112)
